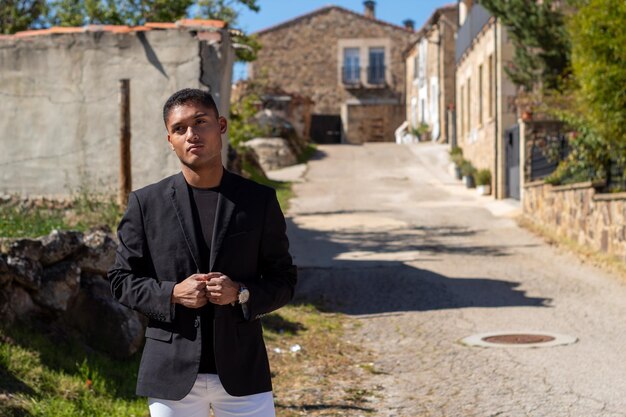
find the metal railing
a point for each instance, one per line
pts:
(376, 75)
(351, 75)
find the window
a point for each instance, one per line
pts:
(490, 91)
(469, 104)
(415, 67)
(480, 94)
(421, 69)
(351, 68)
(462, 111)
(376, 69)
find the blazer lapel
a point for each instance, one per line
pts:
(182, 205)
(225, 208)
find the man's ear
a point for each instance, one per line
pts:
(169, 139)
(223, 124)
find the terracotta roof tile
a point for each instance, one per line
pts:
(160, 25)
(219, 24)
(109, 28)
(49, 31)
(183, 23)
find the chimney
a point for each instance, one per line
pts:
(369, 9)
(409, 24)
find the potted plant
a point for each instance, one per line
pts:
(467, 171)
(456, 156)
(482, 178)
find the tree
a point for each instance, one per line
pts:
(539, 34)
(137, 12)
(116, 12)
(226, 10)
(598, 32)
(16, 15)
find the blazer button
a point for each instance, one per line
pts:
(196, 323)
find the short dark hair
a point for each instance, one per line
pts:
(187, 96)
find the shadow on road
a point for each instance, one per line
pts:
(372, 286)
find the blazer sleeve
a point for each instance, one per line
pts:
(278, 275)
(131, 277)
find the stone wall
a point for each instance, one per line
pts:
(59, 99)
(580, 213)
(372, 123)
(61, 279)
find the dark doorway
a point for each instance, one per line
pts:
(325, 128)
(512, 169)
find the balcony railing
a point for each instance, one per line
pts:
(351, 75)
(376, 75)
(477, 18)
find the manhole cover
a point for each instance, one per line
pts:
(518, 339)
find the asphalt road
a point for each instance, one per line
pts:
(383, 233)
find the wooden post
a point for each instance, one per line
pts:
(126, 181)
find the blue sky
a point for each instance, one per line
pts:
(277, 11)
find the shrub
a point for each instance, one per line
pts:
(482, 177)
(456, 155)
(467, 169)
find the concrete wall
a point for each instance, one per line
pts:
(60, 110)
(304, 56)
(579, 213)
(481, 119)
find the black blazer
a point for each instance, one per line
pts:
(158, 248)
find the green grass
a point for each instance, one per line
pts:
(283, 189)
(21, 222)
(83, 212)
(47, 374)
(308, 153)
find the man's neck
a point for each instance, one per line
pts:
(206, 178)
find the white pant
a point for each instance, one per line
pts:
(208, 393)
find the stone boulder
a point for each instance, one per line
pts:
(17, 303)
(22, 248)
(98, 254)
(59, 284)
(25, 271)
(5, 276)
(272, 153)
(58, 245)
(105, 324)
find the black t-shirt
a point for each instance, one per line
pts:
(204, 207)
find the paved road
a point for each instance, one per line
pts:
(384, 234)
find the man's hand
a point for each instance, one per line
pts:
(192, 291)
(221, 289)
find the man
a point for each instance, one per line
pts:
(203, 254)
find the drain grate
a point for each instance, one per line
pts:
(518, 339)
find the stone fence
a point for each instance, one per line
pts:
(580, 213)
(61, 279)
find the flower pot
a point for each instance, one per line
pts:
(527, 115)
(469, 181)
(483, 189)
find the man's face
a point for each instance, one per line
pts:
(195, 134)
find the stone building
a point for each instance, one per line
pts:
(485, 105)
(430, 75)
(60, 100)
(351, 66)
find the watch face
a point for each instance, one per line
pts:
(244, 295)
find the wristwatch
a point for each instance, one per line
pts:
(244, 294)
